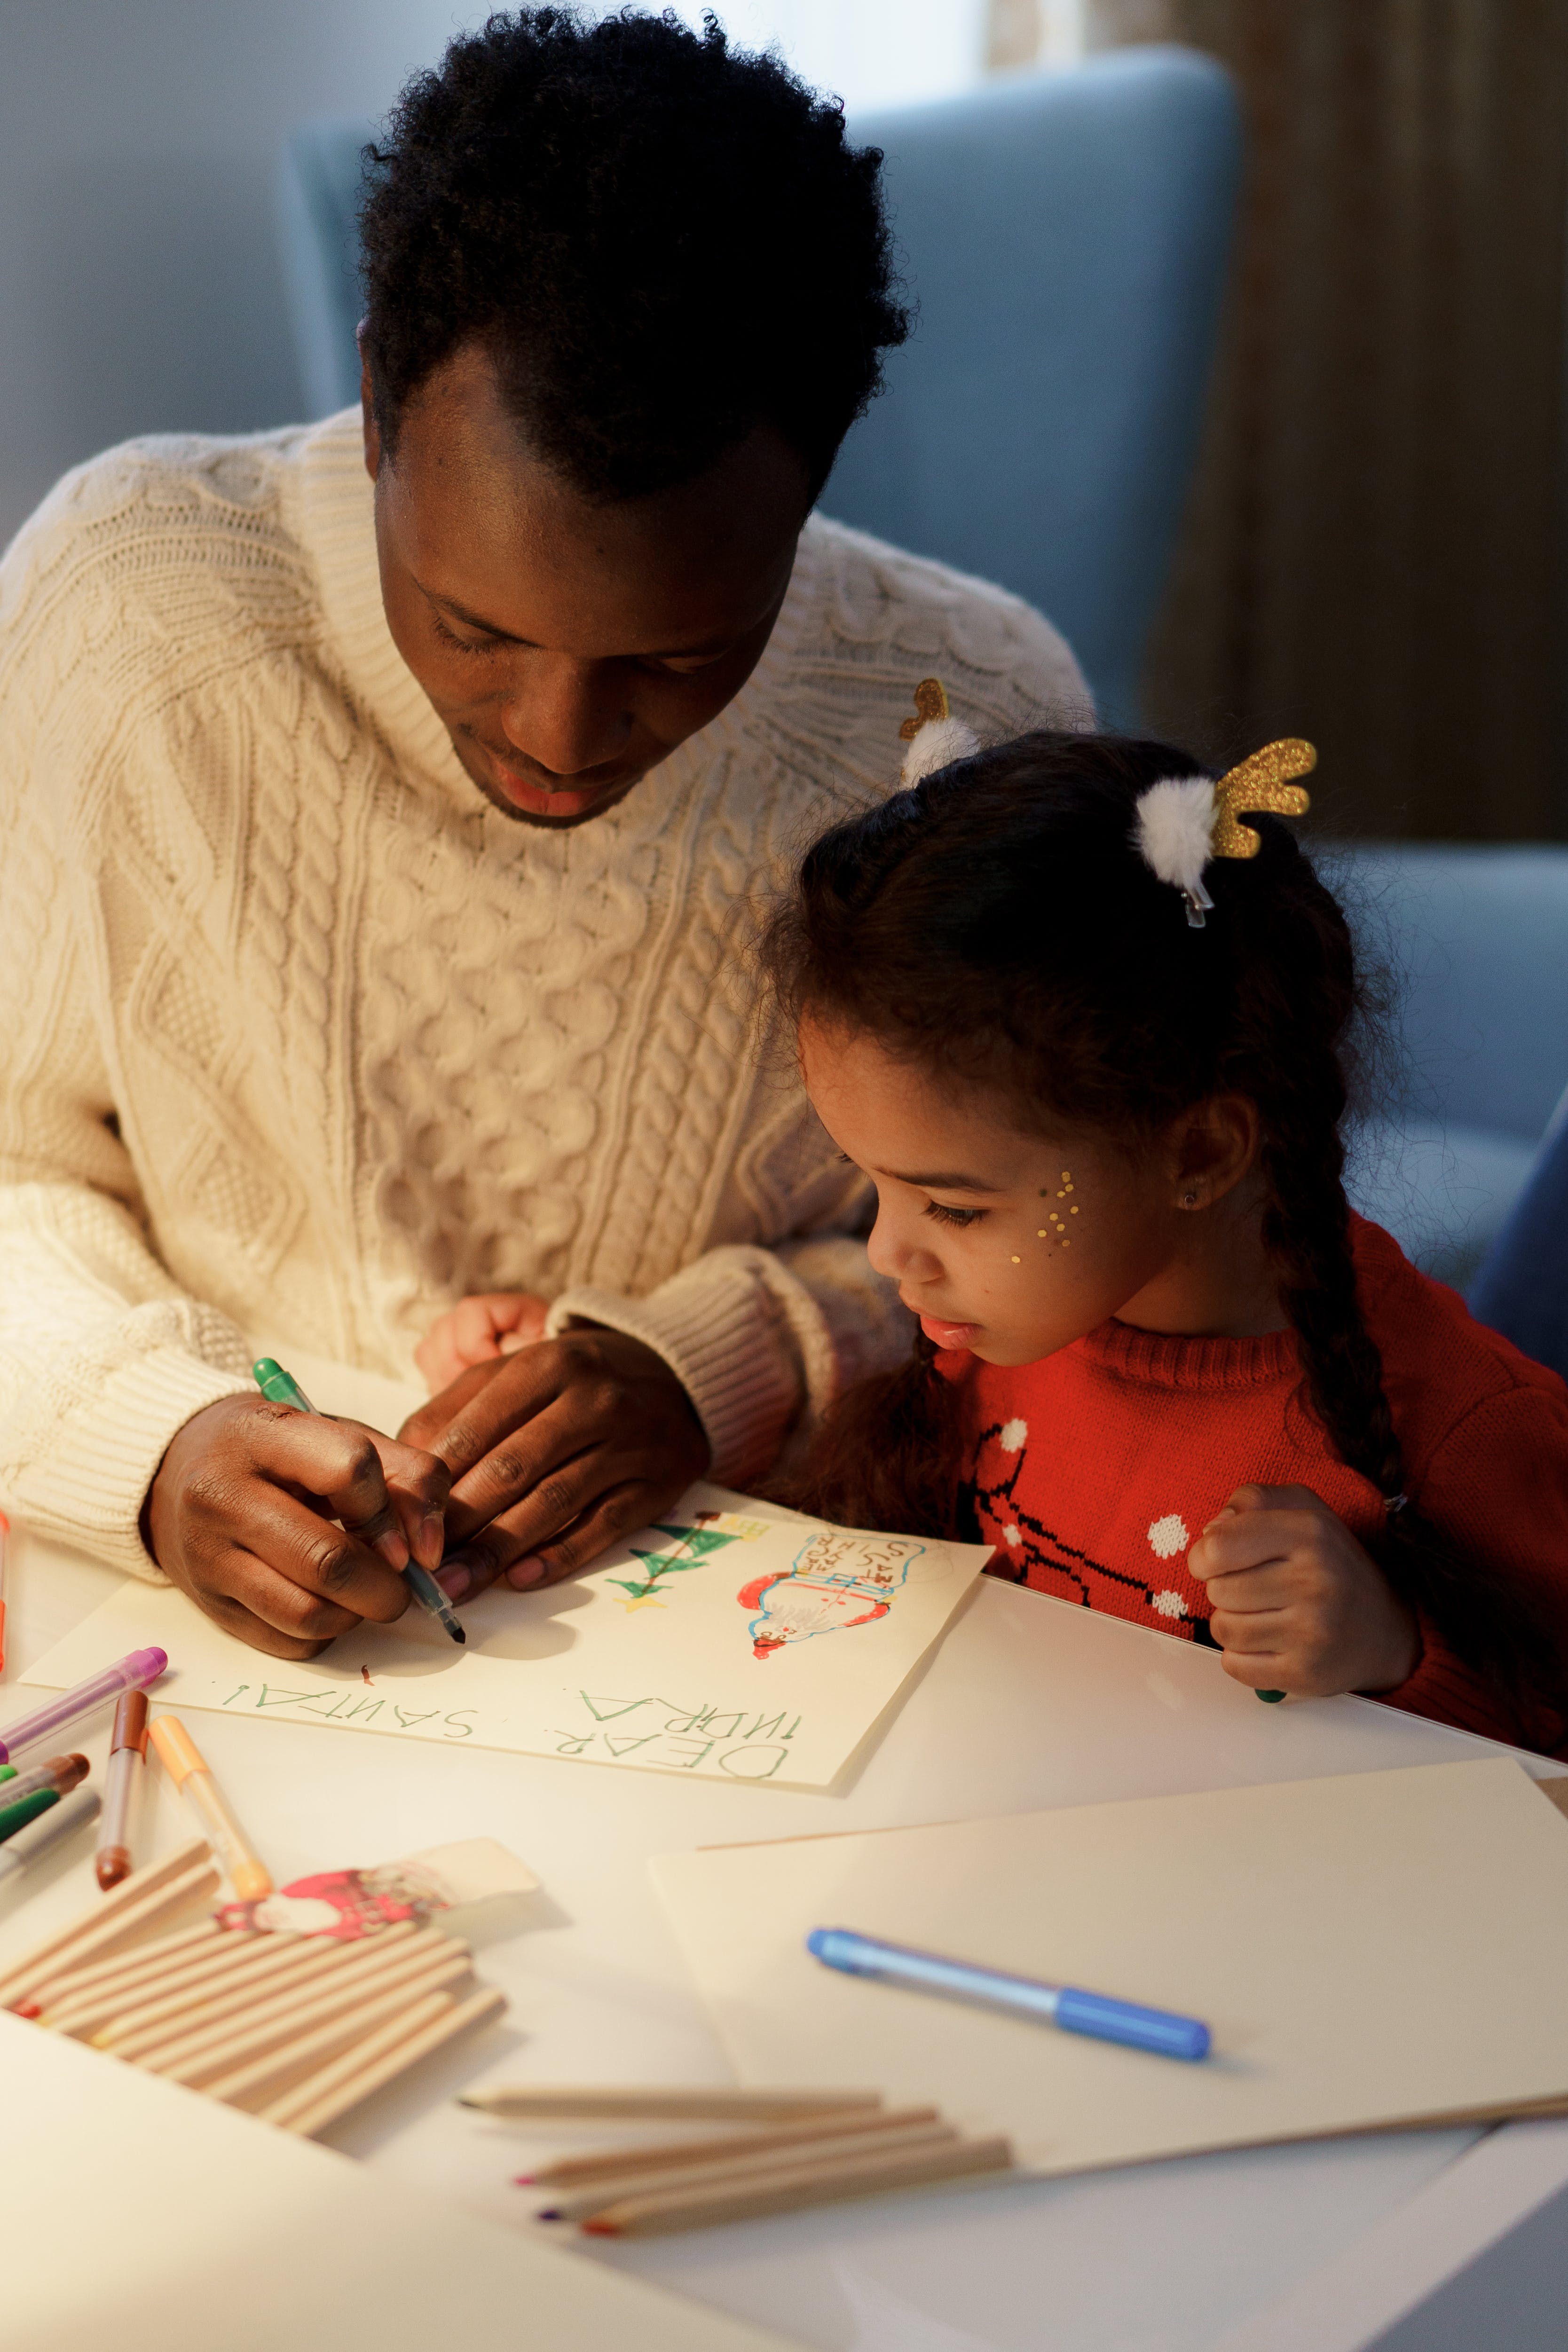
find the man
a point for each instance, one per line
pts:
(377, 859)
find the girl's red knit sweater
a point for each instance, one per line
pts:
(1093, 1470)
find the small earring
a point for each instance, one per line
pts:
(1189, 1199)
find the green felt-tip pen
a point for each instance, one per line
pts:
(279, 1388)
(1271, 1698)
(27, 1809)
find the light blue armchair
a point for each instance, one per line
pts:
(1066, 238)
(1477, 943)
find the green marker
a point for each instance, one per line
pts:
(279, 1388)
(26, 1808)
(1271, 1698)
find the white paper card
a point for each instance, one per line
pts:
(1378, 1947)
(137, 2215)
(734, 1641)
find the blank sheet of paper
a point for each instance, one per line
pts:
(141, 2216)
(1376, 1948)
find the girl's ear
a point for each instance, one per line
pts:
(1211, 1147)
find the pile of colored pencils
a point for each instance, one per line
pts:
(812, 2148)
(295, 2029)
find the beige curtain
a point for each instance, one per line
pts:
(1375, 551)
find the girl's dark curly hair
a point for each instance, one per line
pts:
(663, 241)
(997, 926)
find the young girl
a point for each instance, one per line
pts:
(1086, 1031)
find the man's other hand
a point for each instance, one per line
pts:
(554, 1451)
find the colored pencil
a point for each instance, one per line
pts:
(674, 2104)
(197, 2057)
(577, 2204)
(294, 1967)
(138, 1903)
(146, 1959)
(478, 2010)
(122, 1996)
(252, 2067)
(366, 2051)
(789, 2188)
(571, 2171)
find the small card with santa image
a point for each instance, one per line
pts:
(733, 1640)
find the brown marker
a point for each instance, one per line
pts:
(127, 1754)
(61, 1774)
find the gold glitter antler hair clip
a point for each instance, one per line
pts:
(934, 735)
(1183, 821)
(931, 702)
(1263, 781)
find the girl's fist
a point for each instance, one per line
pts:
(1297, 1603)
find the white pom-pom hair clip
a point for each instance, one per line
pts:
(1183, 821)
(934, 735)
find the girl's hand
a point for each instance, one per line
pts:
(493, 1324)
(1298, 1605)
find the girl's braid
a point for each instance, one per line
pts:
(1306, 1229)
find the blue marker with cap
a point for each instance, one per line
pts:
(1074, 2010)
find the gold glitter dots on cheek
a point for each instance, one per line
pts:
(1054, 1229)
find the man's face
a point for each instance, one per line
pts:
(570, 646)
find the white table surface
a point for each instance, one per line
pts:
(1029, 1703)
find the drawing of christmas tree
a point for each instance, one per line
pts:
(691, 1547)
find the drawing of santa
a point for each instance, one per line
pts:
(837, 1581)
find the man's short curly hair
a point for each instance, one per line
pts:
(664, 242)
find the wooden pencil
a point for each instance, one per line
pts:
(255, 2067)
(360, 2053)
(673, 2103)
(146, 1959)
(207, 1965)
(790, 2189)
(264, 1976)
(97, 1936)
(103, 1929)
(361, 1961)
(476, 2011)
(568, 2171)
(223, 2049)
(593, 2197)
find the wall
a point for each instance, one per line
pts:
(139, 289)
(139, 285)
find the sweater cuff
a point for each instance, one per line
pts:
(87, 1485)
(727, 1338)
(1444, 1690)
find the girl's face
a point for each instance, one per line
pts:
(1012, 1246)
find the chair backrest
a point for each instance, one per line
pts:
(1066, 237)
(1474, 939)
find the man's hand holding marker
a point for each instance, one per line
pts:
(241, 1515)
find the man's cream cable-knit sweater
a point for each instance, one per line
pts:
(297, 1036)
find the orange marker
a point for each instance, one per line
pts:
(188, 1770)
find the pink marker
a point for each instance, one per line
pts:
(132, 1672)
